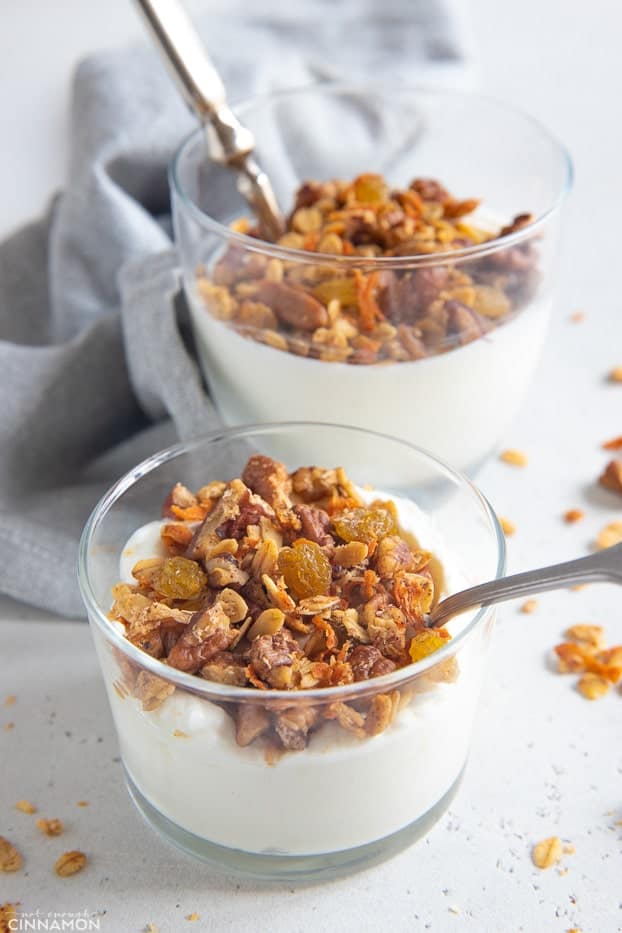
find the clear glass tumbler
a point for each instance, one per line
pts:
(451, 359)
(346, 799)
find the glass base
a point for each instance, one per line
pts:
(267, 867)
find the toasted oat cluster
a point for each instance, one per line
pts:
(281, 581)
(334, 312)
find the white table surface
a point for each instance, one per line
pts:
(544, 760)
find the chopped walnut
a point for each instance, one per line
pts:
(270, 480)
(70, 863)
(314, 524)
(152, 691)
(293, 726)
(611, 477)
(251, 722)
(10, 859)
(547, 853)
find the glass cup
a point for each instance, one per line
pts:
(449, 360)
(349, 797)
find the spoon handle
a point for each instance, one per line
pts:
(604, 567)
(229, 142)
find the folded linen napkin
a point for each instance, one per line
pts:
(89, 321)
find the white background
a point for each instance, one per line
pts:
(544, 760)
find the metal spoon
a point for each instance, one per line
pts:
(228, 142)
(602, 567)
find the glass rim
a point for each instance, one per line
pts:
(226, 692)
(287, 253)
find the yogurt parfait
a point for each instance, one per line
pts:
(281, 706)
(410, 291)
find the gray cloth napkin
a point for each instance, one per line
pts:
(95, 370)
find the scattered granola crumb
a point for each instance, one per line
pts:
(579, 586)
(577, 316)
(8, 913)
(25, 806)
(70, 863)
(529, 606)
(514, 458)
(51, 827)
(9, 726)
(10, 859)
(547, 853)
(611, 477)
(588, 636)
(614, 444)
(569, 849)
(453, 910)
(151, 928)
(608, 536)
(193, 916)
(180, 735)
(82, 803)
(616, 374)
(573, 515)
(10, 700)
(593, 686)
(508, 528)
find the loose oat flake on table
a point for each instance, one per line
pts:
(284, 581)
(358, 313)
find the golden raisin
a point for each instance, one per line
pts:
(306, 569)
(370, 188)
(342, 289)
(364, 525)
(179, 578)
(427, 642)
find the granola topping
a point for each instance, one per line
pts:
(365, 315)
(322, 590)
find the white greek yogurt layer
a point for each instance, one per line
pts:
(339, 793)
(455, 405)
